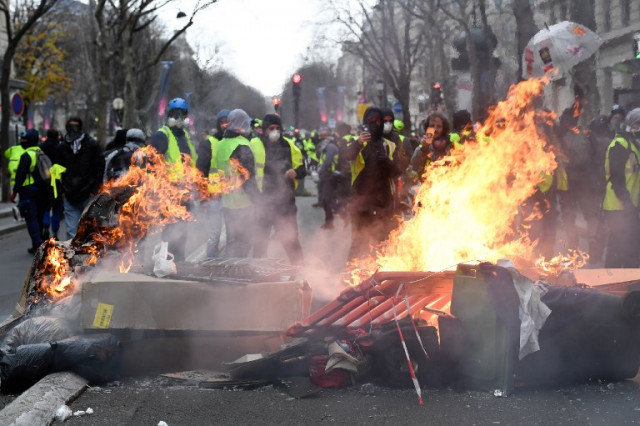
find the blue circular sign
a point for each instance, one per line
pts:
(17, 104)
(397, 107)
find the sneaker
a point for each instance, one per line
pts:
(16, 213)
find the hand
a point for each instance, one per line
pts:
(13, 197)
(428, 138)
(364, 137)
(290, 174)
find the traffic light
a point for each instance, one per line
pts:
(296, 80)
(276, 104)
(436, 94)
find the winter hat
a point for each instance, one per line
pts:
(30, 138)
(633, 120)
(270, 119)
(239, 122)
(135, 135)
(223, 113)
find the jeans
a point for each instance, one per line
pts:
(214, 216)
(238, 223)
(72, 213)
(31, 205)
(53, 214)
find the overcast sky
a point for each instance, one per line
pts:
(261, 42)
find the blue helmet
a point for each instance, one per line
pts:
(178, 103)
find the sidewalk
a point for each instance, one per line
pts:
(7, 222)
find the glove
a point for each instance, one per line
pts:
(13, 197)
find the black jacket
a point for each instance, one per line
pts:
(278, 192)
(85, 169)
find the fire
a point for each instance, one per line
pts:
(575, 259)
(469, 203)
(151, 198)
(54, 278)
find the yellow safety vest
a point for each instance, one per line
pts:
(13, 154)
(31, 151)
(259, 156)
(236, 199)
(357, 165)
(631, 172)
(172, 155)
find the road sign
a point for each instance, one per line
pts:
(397, 107)
(17, 104)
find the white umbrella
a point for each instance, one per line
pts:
(557, 49)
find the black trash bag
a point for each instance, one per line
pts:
(95, 357)
(23, 368)
(36, 330)
(586, 337)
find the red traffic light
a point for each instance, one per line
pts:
(297, 78)
(276, 101)
(436, 85)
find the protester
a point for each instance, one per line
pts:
(31, 187)
(283, 166)
(616, 119)
(118, 159)
(237, 206)
(82, 157)
(55, 208)
(207, 148)
(374, 168)
(462, 128)
(620, 204)
(330, 180)
(174, 142)
(118, 141)
(435, 145)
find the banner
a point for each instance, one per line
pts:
(322, 104)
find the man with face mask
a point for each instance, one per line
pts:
(616, 119)
(283, 167)
(173, 140)
(620, 204)
(374, 168)
(206, 163)
(233, 158)
(82, 157)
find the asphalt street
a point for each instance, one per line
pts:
(149, 400)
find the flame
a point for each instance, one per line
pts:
(468, 204)
(575, 259)
(155, 200)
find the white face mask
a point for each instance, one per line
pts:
(387, 128)
(176, 122)
(274, 135)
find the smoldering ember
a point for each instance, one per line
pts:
(197, 252)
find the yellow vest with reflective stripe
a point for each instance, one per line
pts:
(357, 165)
(297, 159)
(631, 173)
(172, 155)
(236, 199)
(215, 186)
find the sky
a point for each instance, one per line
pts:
(261, 42)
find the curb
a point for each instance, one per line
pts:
(6, 229)
(38, 404)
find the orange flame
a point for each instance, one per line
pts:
(467, 206)
(575, 259)
(156, 199)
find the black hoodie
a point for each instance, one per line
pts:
(372, 187)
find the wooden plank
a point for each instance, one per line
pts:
(38, 404)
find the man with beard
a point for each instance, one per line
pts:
(283, 166)
(374, 168)
(82, 157)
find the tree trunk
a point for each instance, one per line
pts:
(404, 96)
(130, 118)
(474, 70)
(525, 29)
(102, 82)
(6, 117)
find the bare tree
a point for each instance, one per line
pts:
(525, 28)
(25, 15)
(390, 40)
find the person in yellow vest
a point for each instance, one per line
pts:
(173, 141)
(31, 188)
(237, 206)
(374, 170)
(620, 204)
(283, 166)
(330, 179)
(462, 128)
(206, 163)
(13, 154)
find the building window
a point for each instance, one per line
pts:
(625, 8)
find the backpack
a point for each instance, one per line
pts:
(43, 164)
